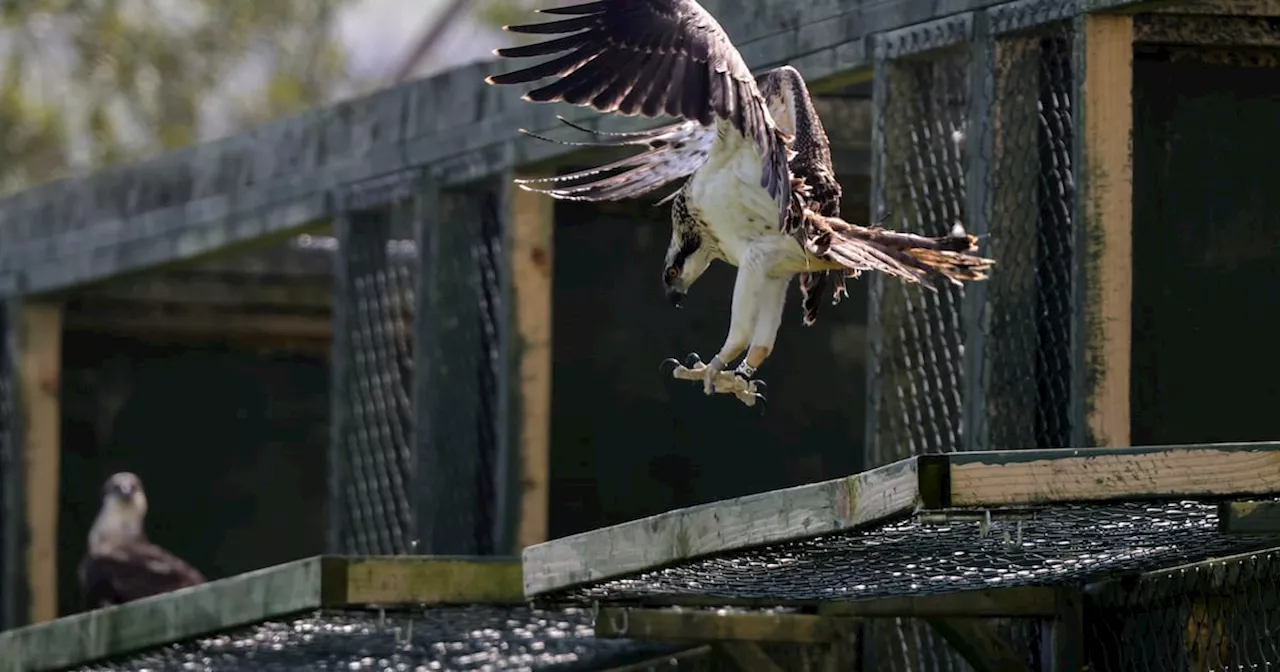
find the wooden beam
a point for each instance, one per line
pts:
(979, 644)
(1105, 196)
(274, 592)
(1019, 602)
(532, 242)
(39, 381)
(782, 515)
(748, 657)
(1021, 477)
(707, 625)
(1240, 518)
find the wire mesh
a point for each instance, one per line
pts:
(1027, 312)
(1058, 545)
(438, 638)
(1217, 615)
(372, 461)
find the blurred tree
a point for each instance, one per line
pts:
(91, 82)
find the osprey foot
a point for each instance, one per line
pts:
(716, 380)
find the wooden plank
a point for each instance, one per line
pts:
(1021, 477)
(1020, 602)
(240, 600)
(532, 244)
(273, 592)
(979, 644)
(1210, 31)
(1063, 637)
(748, 657)
(1260, 517)
(772, 517)
(708, 625)
(39, 380)
(1105, 205)
(419, 580)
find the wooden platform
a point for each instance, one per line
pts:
(973, 481)
(311, 583)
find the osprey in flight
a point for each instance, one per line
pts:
(121, 564)
(760, 193)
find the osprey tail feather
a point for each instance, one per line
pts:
(908, 256)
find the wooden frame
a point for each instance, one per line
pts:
(976, 479)
(311, 583)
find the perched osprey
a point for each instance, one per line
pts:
(761, 193)
(121, 564)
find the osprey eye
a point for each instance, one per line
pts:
(672, 272)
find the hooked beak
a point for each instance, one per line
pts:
(675, 295)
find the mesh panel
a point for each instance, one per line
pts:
(1221, 615)
(1026, 325)
(417, 360)
(372, 461)
(916, 358)
(450, 638)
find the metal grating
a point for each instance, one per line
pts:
(1060, 545)
(439, 638)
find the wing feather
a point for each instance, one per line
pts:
(652, 57)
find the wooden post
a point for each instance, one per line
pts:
(531, 235)
(1104, 47)
(38, 368)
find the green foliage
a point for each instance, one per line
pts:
(92, 82)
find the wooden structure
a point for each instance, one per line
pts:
(947, 538)
(69, 243)
(327, 586)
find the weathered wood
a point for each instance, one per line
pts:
(1062, 638)
(1017, 477)
(748, 657)
(771, 517)
(979, 644)
(1020, 602)
(1261, 517)
(39, 368)
(1105, 206)
(709, 625)
(532, 242)
(1204, 30)
(311, 583)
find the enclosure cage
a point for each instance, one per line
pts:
(1049, 128)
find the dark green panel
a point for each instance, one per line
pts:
(1206, 296)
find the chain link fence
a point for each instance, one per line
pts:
(1217, 615)
(418, 350)
(973, 127)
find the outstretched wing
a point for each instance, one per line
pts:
(672, 152)
(908, 256)
(650, 57)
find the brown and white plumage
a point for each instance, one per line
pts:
(121, 564)
(759, 189)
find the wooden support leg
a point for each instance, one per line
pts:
(531, 235)
(39, 364)
(1106, 219)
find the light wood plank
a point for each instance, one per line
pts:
(1106, 191)
(1020, 477)
(704, 625)
(40, 379)
(532, 243)
(683, 534)
(418, 580)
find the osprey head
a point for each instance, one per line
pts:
(124, 491)
(687, 257)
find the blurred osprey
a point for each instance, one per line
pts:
(121, 564)
(761, 192)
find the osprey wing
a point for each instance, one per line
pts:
(131, 572)
(650, 57)
(671, 152)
